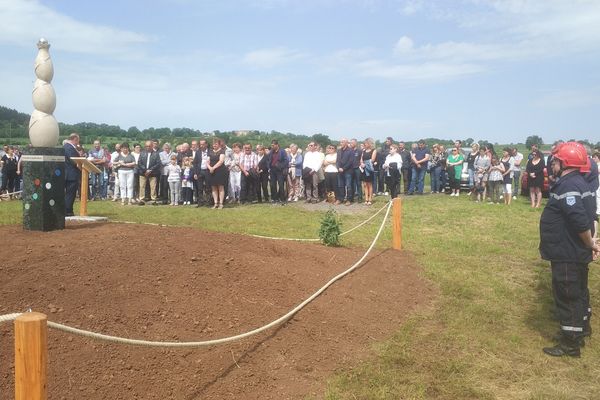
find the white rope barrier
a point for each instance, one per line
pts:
(147, 343)
(10, 194)
(316, 240)
(9, 317)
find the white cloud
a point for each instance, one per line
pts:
(428, 71)
(267, 58)
(23, 22)
(566, 99)
(403, 45)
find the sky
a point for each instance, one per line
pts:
(483, 69)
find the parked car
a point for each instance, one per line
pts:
(545, 188)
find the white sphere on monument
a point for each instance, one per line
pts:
(44, 97)
(43, 129)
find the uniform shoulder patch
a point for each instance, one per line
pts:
(570, 200)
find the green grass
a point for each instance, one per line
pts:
(483, 334)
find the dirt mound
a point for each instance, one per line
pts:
(181, 284)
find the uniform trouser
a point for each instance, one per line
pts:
(571, 296)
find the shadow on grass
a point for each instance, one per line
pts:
(540, 315)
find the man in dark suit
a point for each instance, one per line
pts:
(278, 165)
(149, 169)
(262, 186)
(72, 173)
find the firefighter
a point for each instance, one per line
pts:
(566, 240)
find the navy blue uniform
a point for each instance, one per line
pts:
(570, 210)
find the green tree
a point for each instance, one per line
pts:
(533, 139)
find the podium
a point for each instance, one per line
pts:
(86, 167)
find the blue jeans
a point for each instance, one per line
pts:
(356, 183)
(345, 185)
(418, 180)
(98, 185)
(517, 182)
(471, 178)
(435, 179)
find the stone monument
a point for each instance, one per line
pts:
(43, 162)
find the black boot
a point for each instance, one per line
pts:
(566, 347)
(559, 337)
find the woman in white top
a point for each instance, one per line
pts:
(392, 166)
(331, 172)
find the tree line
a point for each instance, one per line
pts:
(14, 129)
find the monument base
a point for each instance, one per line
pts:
(43, 189)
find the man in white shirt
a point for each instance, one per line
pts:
(518, 157)
(113, 156)
(312, 164)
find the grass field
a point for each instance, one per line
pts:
(482, 337)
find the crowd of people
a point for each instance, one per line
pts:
(216, 174)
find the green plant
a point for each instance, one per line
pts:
(329, 233)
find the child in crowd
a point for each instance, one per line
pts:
(392, 166)
(173, 172)
(187, 185)
(495, 179)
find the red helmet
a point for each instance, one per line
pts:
(573, 155)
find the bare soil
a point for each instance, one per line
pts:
(182, 284)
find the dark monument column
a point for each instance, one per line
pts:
(44, 163)
(43, 189)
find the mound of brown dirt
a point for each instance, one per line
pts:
(180, 284)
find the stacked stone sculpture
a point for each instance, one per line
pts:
(43, 128)
(43, 162)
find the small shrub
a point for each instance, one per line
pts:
(330, 230)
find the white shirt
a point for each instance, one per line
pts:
(518, 158)
(392, 158)
(313, 160)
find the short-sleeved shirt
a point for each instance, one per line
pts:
(421, 154)
(518, 159)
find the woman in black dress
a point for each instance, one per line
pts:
(217, 177)
(535, 178)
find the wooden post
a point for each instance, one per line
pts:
(31, 357)
(84, 192)
(397, 224)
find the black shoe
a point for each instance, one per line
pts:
(141, 203)
(562, 350)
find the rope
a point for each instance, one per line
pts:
(9, 317)
(137, 342)
(10, 194)
(316, 240)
